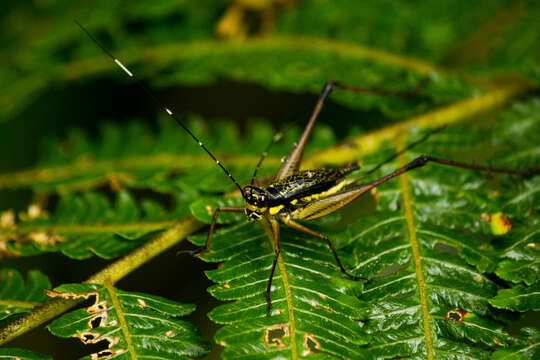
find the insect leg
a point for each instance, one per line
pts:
(331, 203)
(197, 252)
(214, 220)
(294, 159)
(275, 233)
(302, 228)
(424, 159)
(292, 163)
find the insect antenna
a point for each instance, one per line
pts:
(159, 103)
(278, 136)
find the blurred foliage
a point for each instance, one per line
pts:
(88, 168)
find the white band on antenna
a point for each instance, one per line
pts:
(123, 67)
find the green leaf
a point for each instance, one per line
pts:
(22, 355)
(18, 297)
(131, 324)
(447, 251)
(313, 307)
(90, 224)
(282, 63)
(429, 251)
(441, 247)
(529, 349)
(168, 161)
(519, 298)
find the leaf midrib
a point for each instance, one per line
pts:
(407, 209)
(287, 287)
(121, 319)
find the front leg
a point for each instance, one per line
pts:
(197, 252)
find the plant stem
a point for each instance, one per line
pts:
(111, 274)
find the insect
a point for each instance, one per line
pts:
(291, 194)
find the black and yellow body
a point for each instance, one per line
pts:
(286, 197)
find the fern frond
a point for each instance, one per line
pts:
(133, 325)
(89, 224)
(430, 251)
(18, 296)
(310, 314)
(444, 244)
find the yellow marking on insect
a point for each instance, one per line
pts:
(293, 202)
(256, 208)
(274, 210)
(334, 189)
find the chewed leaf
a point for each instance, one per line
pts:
(21, 354)
(429, 251)
(16, 296)
(131, 324)
(431, 261)
(313, 307)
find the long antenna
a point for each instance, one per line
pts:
(160, 104)
(278, 136)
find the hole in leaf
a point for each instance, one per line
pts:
(274, 334)
(391, 270)
(311, 344)
(87, 337)
(95, 322)
(104, 354)
(456, 315)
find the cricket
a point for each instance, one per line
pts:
(293, 195)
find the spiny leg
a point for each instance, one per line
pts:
(197, 252)
(299, 227)
(326, 205)
(424, 159)
(275, 233)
